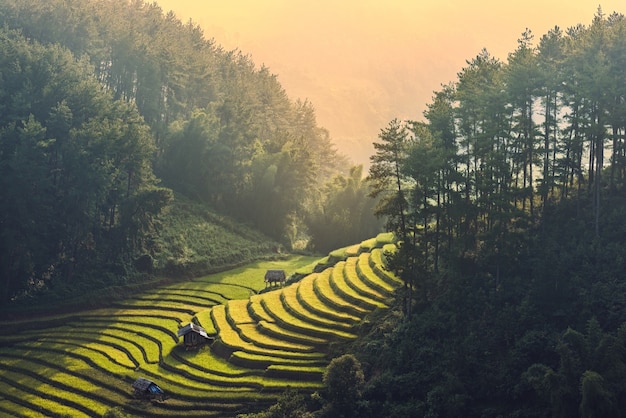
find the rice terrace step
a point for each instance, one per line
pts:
(251, 344)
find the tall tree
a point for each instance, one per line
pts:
(423, 166)
(482, 126)
(386, 177)
(522, 83)
(550, 60)
(387, 180)
(72, 160)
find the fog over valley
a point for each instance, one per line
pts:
(363, 63)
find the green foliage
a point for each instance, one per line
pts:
(385, 177)
(116, 412)
(343, 214)
(279, 183)
(80, 138)
(75, 169)
(507, 213)
(290, 404)
(96, 354)
(344, 380)
(596, 401)
(192, 160)
(194, 240)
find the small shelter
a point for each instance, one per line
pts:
(145, 388)
(193, 335)
(273, 277)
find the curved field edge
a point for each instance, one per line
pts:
(58, 362)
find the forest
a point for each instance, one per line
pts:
(506, 198)
(119, 123)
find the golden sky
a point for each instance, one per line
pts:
(364, 62)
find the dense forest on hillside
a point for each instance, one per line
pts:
(112, 111)
(508, 199)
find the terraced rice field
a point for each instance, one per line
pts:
(82, 365)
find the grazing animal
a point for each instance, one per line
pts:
(273, 277)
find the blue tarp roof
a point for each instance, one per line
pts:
(153, 388)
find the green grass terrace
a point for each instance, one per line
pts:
(260, 342)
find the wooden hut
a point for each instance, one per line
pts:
(193, 335)
(147, 389)
(273, 277)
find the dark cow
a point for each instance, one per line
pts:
(273, 277)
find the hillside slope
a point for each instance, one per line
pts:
(193, 240)
(85, 364)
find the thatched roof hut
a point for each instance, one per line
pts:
(193, 335)
(275, 276)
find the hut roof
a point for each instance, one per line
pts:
(142, 384)
(275, 275)
(191, 327)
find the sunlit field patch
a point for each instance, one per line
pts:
(189, 301)
(203, 318)
(257, 311)
(294, 306)
(211, 381)
(238, 312)
(273, 304)
(250, 333)
(40, 360)
(377, 263)
(122, 350)
(16, 407)
(28, 402)
(277, 331)
(371, 278)
(328, 295)
(359, 285)
(231, 338)
(53, 397)
(344, 290)
(310, 300)
(263, 361)
(264, 343)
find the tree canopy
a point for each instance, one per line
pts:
(508, 199)
(110, 108)
(77, 183)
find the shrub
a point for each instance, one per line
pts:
(291, 404)
(114, 413)
(344, 380)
